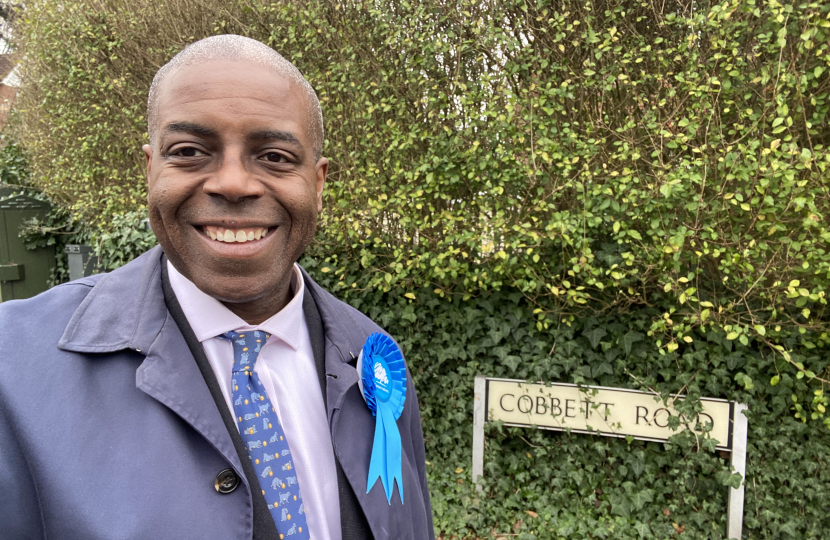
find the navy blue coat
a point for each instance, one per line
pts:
(108, 430)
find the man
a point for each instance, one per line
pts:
(141, 403)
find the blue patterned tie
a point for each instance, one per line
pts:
(264, 437)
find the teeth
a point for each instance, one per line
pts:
(227, 235)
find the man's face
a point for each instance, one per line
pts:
(233, 160)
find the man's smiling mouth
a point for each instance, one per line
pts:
(222, 234)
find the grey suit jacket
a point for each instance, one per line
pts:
(108, 429)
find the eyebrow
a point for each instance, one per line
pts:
(271, 135)
(262, 135)
(189, 127)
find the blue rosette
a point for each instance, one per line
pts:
(384, 387)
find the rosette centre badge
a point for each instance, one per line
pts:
(384, 387)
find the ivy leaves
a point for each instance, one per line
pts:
(631, 498)
(580, 486)
(629, 339)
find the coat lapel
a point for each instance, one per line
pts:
(170, 375)
(126, 310)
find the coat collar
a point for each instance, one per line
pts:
(124, 310)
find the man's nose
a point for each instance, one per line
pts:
(233, 180)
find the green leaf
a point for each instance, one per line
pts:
(640, 497)
(642, 529)
(630, 338)
(620, 505)
(595, 335)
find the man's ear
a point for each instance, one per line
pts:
(322, 172)
(148, 154)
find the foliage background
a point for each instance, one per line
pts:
(619, 193)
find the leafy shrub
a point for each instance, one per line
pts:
(507, 176)
(14, 170)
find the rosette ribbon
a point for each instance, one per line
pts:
(384, 387)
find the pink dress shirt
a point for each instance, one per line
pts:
(287, 370)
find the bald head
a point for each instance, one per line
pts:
(232, 47)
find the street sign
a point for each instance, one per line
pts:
(609, 412)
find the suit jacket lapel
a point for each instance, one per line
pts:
(317, 338)
(170, 376)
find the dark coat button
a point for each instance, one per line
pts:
(226, 481)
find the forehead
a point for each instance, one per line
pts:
(233, 95)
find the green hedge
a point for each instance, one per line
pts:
(581, 487)
(620, 193)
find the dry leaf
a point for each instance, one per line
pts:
(531, 513)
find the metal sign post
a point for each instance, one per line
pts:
(610, 412)
(478, 429)
(735, 502)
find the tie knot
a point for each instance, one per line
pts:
(246, 347)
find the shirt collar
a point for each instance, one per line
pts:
(209, 318)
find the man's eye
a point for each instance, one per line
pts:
(275, 157)
(188, 151)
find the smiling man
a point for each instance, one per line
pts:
(209, 389)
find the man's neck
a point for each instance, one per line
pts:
(260, 310)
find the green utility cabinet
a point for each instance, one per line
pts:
(23, 273)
